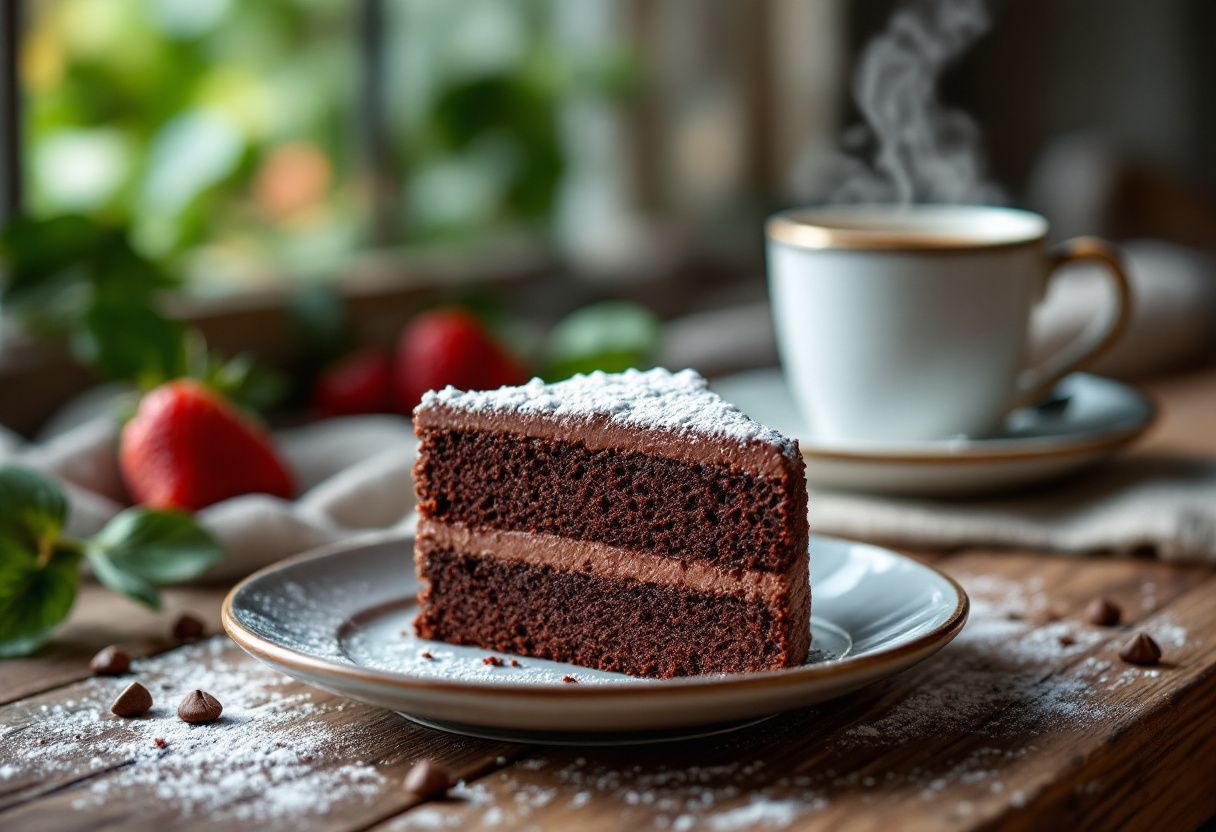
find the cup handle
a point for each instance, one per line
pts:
(1035, 383)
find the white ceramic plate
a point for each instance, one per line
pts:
(1087, 420)
(340, 619)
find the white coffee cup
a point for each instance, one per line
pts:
(910, 323)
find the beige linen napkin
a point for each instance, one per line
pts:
(352, 473)
(1137, 505)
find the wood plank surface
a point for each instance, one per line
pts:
(957, 743)
(101, 618)
(1029, 720)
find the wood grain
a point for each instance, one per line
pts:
(52, 782)
(815, 769)
(101, 617)
(1006, 728)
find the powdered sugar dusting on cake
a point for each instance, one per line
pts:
(681, 402)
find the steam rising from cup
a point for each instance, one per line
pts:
(919, 150)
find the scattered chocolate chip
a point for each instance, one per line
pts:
(199, 706)
(1140, 649)
(428, 778)
(426, 654)
(1066, 640)
(188, 627)
(110, 661)
(1102, 613)
(159, 742)
(1013, 615)
(569, 680)
(133, 701)
(492, 661)
(515, 663)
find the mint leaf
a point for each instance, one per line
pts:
(156, 547)
(34, 598)
(32, 508)
(132, 586)
(611, 336)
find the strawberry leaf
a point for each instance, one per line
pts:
(32, 508)
(241, 380)
(34, 597)
(156, 547)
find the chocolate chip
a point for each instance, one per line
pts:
(110, 661)
(133, 701)
(1140, 649)
(188, 627)
(1066, 640)
(492, 661)
(426, 654)
(569, 680)
(515, 663)
(199, 706)
(1103, 613)
(428, 778)
(159, 742)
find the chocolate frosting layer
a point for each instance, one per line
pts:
(790, 588)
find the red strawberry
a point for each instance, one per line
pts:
(359, 383)
(445, 347)
(187, 447)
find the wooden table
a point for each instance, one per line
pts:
(1007, 727)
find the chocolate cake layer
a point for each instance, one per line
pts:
(643, 629)
(601, 432)
(623, 498)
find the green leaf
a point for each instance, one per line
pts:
(32, 508)
(43, 257)
(131, 342)
(132, 586)
(157, 547)
(242, 380)
(611, 336)
(34, 599)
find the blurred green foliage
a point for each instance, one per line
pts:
(73, 279)
(611, 336)
(225, 134)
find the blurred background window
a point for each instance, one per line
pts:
(216, 130)
(554, 153)
(247, 141)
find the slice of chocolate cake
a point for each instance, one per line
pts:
(632, 522)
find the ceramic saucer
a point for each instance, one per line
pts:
(1088, 419)
(340, 619)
